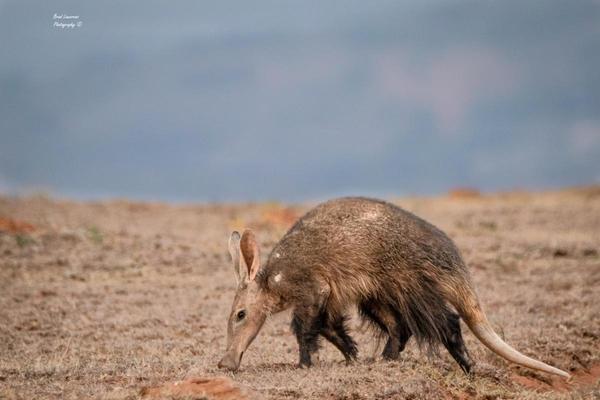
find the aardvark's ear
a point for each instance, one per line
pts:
(250, 254)
(234, 251)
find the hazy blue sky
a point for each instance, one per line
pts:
(293, 100)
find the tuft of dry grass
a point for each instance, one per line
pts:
(102, 299)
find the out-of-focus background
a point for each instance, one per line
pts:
(297, 100)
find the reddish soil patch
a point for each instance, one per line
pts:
(15, 226)
(579, 379)
(219, 388)
(464, 193)
(280, 217)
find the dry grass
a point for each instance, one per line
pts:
(99, 300)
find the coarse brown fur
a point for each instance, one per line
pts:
(399, 269)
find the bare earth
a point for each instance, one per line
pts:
(114, 299)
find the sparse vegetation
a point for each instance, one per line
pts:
(23, 240)
(95, 235)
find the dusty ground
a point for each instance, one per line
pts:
(101, 300)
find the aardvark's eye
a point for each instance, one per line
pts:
(241, 315)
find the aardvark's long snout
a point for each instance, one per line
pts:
(230, 361)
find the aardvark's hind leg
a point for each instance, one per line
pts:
(390, 322)
(335, 331)
(454, 343)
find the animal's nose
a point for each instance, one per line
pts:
(228, 362)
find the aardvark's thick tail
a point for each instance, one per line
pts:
(471, 312)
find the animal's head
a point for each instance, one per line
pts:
(251, 305)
